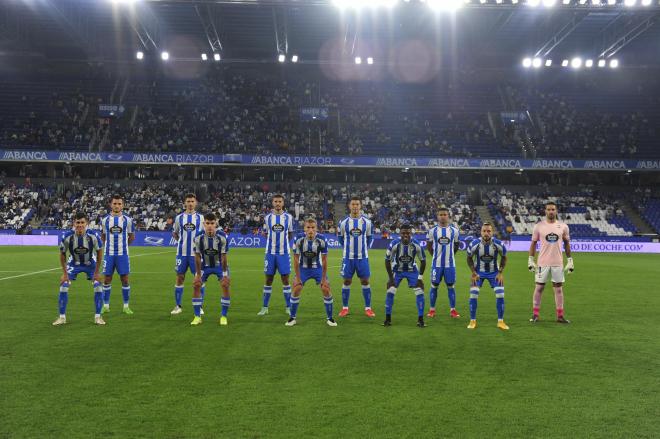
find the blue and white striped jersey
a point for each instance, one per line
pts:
(116, 230)
(402, 256)
(81, 248)
(309, 251)
(278, 228)
(443, 239)
(210, 248)
(356, 236)
(486, 254)
(187, 226)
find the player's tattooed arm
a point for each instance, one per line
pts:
(567, 248)
(502, 263)
(131, 238)
(429, 246)
(422, 266)
(390, 274)
(470, 262)
(456, 246)
(225, 268)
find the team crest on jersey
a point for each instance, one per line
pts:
(116, 229)
(189, 227)
(552, 237)
(356, 232)
(277, 228)
(487, 258)
(210, 252)
(81, 250)
(309, 254)
(443, 240)
(406, 259)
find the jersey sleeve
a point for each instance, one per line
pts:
(64, 243)
(429, 235)
(536, 236)
(323, 246)
(471, 248)
(388, 252)
(500, 247)
(196, 243)
(96, 242)
(458, 233)
(129, 225)
(296, 246)
(224, 244)
(176, 227)
(420, 252)
(290, 229)
(340, 233)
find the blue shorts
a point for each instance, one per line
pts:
(351, 266)
(279, 263)
(208, 271)
(121, 263)
(311, 273)
(74, 270)
(448, 273)
(490, 277)
(183, 263)
(411, 276)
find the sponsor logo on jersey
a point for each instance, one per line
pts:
(189, 227)
(309, 254)
(277, 228)
(487, 258)
(444, 240)
(356, 232)
(210, 252)
(406, 259)
(81, 250)
(552, 237)
(116, 229)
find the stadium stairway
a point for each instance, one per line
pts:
(486, 217)
(633, 215)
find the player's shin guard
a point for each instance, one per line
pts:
(327, 301)
(178, 294)
(294, 302)
(63, 298)
(98, 297)
(107, 289)
(345, 295)
(474, 298)
(451, 294)
(559, 300)
(538, 291)
(366, 293)
(389, 300)
(419, 299)
(126, 293)
(499, 302)
(433, 295)
(267, 291)
(286, 292)
(224, 303)
(197, 306)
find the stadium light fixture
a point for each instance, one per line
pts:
(139, 55)
(370, 60)
(358, 60)
(359, 4)
(614, 63)
(537, 62)
(533, 3)
(514, 2)
(499, 2)
(164, 56)
(204, 57)
(216, 56)
(564, 63)
(630, 3)
(589, 63)
(549, 3)
(646, 2)
(483, 2)
(294, 58)
(447, 5)
(527, 62)
(601, 63)
(595, 2)
(566, 2)
(281, 57)
(611, 2)
(548, 62)
(576, 62)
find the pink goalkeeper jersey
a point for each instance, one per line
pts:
(551, 236)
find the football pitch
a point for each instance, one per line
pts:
(151, 375)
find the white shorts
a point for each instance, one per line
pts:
(544, 274)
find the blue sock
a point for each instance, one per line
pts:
(286, 291)
(98, 297)
(267, 291)
(327, 301)
(433, 295)
(107, 288)
(197, 306)
(225, 302)
(366, 292)
(126, 293)
(295, 301)
(178, 294)
(451, 293)
(202, 292)
(499, 302)
(419, 299)
(64, 297)
(474, 295)
(389, 300)
(345, 295)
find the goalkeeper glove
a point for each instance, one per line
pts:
(531, 265)
(569, 265)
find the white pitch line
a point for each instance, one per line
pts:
(59, 268)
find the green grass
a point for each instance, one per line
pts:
(150, 375)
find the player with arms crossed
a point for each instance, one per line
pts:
(85, 254)
(551, 233)
(486, 251)
(400, 264)
(442, 243)
(355, 234)
(117, 234)
(211, 247)
(186, 227)
(310, 261)
(279, 226)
